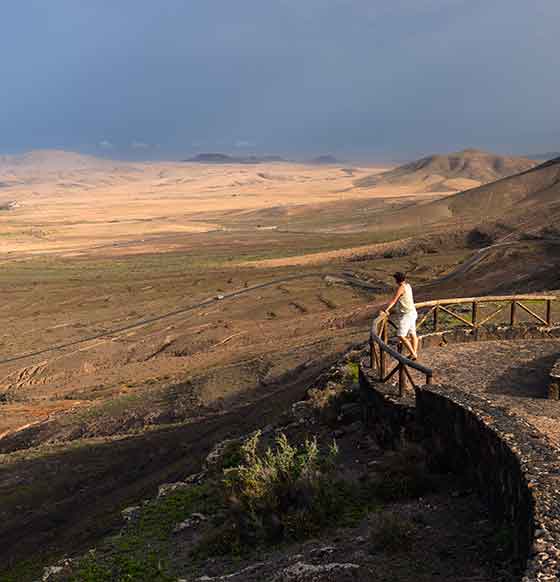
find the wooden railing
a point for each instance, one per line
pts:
(382, 356)
(388, 361)
(441, 307)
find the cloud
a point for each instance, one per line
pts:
(105, 144)
(140, 145)
(241, 143)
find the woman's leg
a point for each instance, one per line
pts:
(406, 342)
(414, 342)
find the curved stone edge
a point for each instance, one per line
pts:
(513, 466)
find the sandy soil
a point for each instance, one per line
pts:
(67, 210)
(326, 256)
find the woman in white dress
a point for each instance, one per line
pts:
(406, 315)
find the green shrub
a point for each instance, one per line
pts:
(283, 493)
(232, 456)
(353, 372)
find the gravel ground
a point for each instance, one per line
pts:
(513, 373)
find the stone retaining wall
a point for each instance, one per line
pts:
(554, 384)
(391, 419)
(513, 466)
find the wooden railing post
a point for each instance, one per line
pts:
(548, 312)
(513, 312)
(436, 315)
(402, 379)
(382, 354)
(474, 317)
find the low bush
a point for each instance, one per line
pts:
(352, 373)
(396, 253)
(286, 493)
(477, 238)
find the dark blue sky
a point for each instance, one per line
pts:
(377, 78)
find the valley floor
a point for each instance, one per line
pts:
(124, 356)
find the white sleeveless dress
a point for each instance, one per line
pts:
(405, 312)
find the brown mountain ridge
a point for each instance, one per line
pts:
(457, 171)
(528, 200)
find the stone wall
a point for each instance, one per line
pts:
(554, 384)
(391, 419)
(513, 466)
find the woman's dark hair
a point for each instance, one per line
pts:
(399, 277)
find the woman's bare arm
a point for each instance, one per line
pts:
(396, 297)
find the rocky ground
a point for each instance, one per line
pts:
(514, 374)
(401, 523)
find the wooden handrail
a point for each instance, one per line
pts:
(379, 330)
(485, 299)
(378, 337)
(399, 357)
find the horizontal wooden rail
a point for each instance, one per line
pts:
(485, 299)
(440, 308)
(396, 355)
(381, 351)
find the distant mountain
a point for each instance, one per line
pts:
(527, 201)
(51, 160)
(326, 160)
(533, 193)
(219, 158)
(544, 157)
(457, 171)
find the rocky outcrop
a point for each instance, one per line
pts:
(300, 571)
(335, 572)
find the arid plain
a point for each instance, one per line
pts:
(64, 203)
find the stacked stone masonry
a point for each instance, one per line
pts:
(554, 385)
(513, 466)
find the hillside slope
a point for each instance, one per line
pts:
(51, 160)
(530, 199)
(456, 171)
(535, 190)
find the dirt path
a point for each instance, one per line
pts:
(513, 373)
